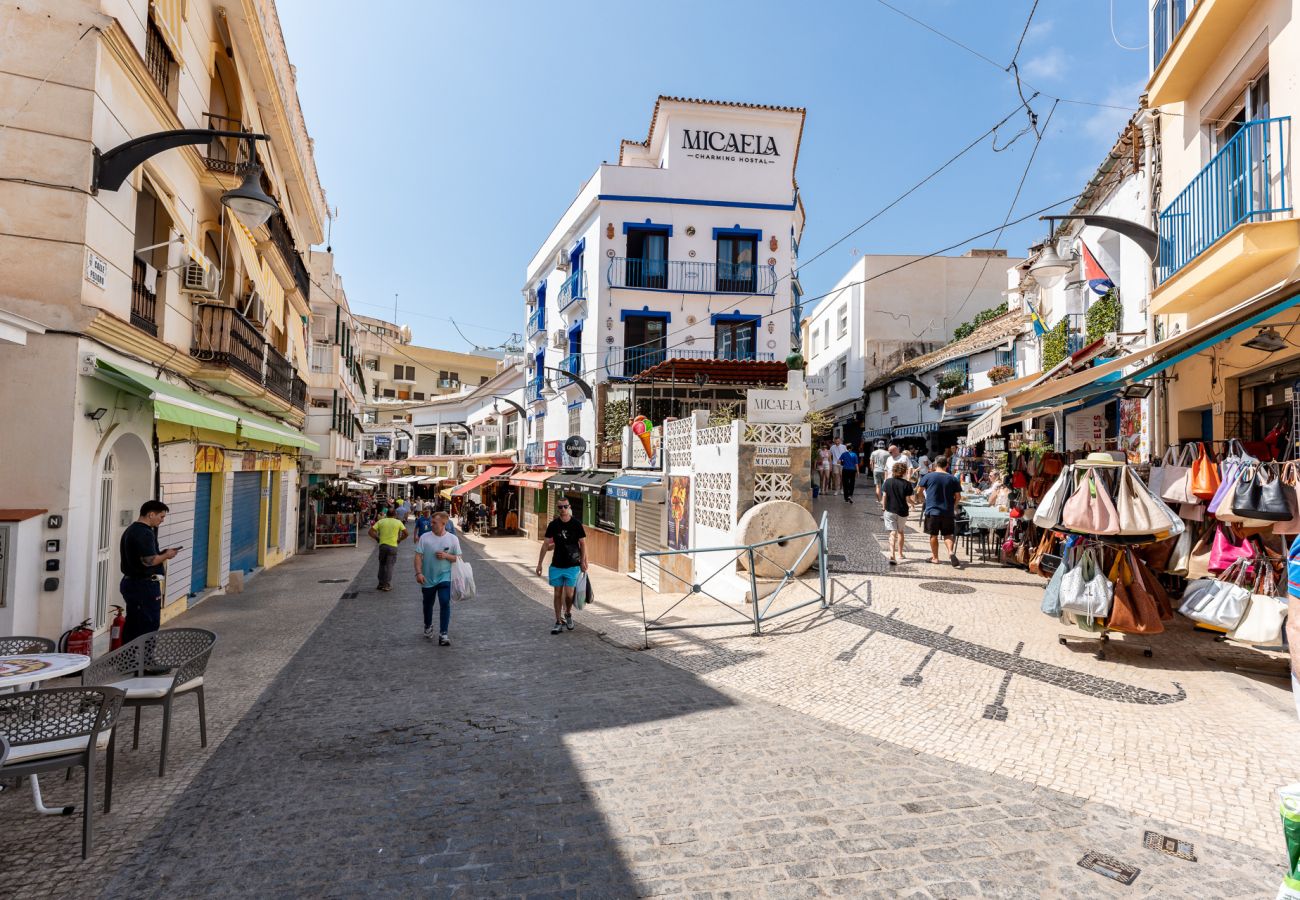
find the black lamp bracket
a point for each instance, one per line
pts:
(112, 166)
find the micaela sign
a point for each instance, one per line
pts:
(730, 146)
(775, 406)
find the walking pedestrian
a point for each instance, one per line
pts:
(423, 523)
(848, 473)
(435, 551)
(389, 531)
(142, 564)
(895, 457)
(879, 466)
(838, 449)
(403, 511)
(824, 466)
(922, 462)
(566, 536)
(942, 492)
(898, 496)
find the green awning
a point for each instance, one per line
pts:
(175, 404)
(171, 403)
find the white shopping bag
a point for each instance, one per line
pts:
(462, 581)
(580, 592)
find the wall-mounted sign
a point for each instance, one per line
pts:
(209, 459)
(482, 429)
(815, 383)
(575, 446)
(96, 269)
(775, 406)
(730, 146)
(774, 456)
(553, 454)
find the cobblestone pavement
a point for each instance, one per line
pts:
(517, 763)
(258, 632)
(963, 666)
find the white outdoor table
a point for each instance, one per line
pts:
(25, 669)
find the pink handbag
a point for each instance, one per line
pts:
(1227, 548)
(1090, 509)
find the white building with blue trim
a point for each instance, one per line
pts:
(669, 282)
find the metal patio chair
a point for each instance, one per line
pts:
(12, 646)
(182, 653)
(58, 728)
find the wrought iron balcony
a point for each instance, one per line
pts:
(533, 453)
(533, 390)
(283, 240)
(144, 302)
(224, 337)
(690, 277)
(627, 362)
(1246, 181)
(227, 155)
(537, 322)
(572, 363)
(573, 289)
(298, 393)
(279, 373)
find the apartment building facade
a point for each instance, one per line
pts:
(335, 382)
(173, 348)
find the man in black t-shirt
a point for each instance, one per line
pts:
(942, 493)
(566, 536)
(142, 565)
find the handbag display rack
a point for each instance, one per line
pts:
(1107, 504)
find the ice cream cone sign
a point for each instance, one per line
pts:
(644, 429)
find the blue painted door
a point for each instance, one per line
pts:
(244, 521)
(202, 508)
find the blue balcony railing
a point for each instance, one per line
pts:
(689, 277)
(573, 289)
(627, 362)
(533, 454)
(537, 322)
(1167, 19)
(1246, 181)
(572, 363)
(533, 389)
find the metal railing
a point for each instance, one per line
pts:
(628, 362)
(533, 453)
(144, 302)
(761, 608)
(158, 58)
(223, 336)
(1167, 18)
(283, 240)
(573, 289)
(688, 276)
(537, 321)
(1246, 181)
(572, 363)
(298, 393)
(279, 373)
(533, 389)
(228, 155)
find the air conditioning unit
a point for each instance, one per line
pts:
(312, 465)
(254, 309)
(560, 340)
(199, 281)
(530, 363)
(561, 260)
(469, 468)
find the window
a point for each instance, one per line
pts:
(320, 403)
(152, 229)
(607, 513)
(158, 58)
(403, 373)
(575, 419)
(646, 265)
(737, 252)
(645, 340)
(389, 392)
(511, 441)
(482, 379)
(842, 372)
(419, 395)
(735, 336)
(884, 400)
(403, 395)
(370, 417)
(842, 321)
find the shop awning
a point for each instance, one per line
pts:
(986, 426)
(358, 486)
(637, 488)
(877, 433)
(406, 479)
(530, 479)
(910, 430)
(436, 479)
(171, 403)
(480, 479)
(1015, 385)
(1169, 352)
(590, 482)
(445, 493)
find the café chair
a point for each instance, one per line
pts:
(58, 728)
(12, 646)
(182, 653)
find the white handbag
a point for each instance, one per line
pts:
(1085, 591)
(1265, 616)
(1221, 603)
(1048, 512)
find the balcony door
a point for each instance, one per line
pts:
(645, 342)
(647, 258)
(735, 340)
(1246, 156)
(737, 254)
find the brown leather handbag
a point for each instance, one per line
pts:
(1044, 547)
(1151, 582)
(1134, 610)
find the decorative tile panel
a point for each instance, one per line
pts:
(717, 434)
(773, 486)
(677, 435)
(713, 500)
(774, 434)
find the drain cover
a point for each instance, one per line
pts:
(1163, 843)
(1109, 866)
(946, 587)
(350, 595)
(333, 581)
(836, 557)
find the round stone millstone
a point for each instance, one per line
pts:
(777, 519)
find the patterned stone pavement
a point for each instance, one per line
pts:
(517, 763)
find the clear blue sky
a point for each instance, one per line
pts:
(451, 137)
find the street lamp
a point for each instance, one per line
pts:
(1051, 265)
(519, 409)
(248, 201)
(550, 393)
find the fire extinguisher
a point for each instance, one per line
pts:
(78, 640)
(116, 629)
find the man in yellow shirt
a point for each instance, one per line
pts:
(389, 531)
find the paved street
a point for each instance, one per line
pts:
(517, 763)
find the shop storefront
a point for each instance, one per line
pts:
(599, 513)
(531, 487)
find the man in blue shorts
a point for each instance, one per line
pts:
(566, 536)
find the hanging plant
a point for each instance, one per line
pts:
(952, 380)
(1001, 373)
(1103, 316)
(1054, 346)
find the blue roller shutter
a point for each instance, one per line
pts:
(244, 521)
(202, 509)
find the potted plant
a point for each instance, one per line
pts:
(1001, 373)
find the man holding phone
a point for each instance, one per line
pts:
(142, 565)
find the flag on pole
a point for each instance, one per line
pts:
(1039, 328)
(1098, 280)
